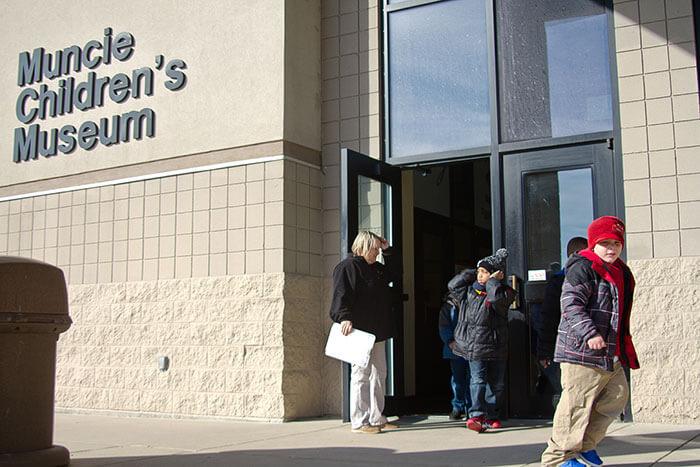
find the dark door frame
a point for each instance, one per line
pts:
(597, 157)
(353, 165)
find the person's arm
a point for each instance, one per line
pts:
(392, 262)
(575, 293)
(461, 281)
(344, 287)
(499, 295)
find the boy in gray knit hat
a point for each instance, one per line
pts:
(481, 335)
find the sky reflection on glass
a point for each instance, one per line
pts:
(438, 78)
(580, 98)
(575, 205)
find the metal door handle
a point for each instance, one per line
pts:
(514, 282)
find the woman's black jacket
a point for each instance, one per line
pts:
(361, 294)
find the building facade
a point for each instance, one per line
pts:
(192, 186)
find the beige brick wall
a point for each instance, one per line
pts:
(219, 270)
(661, 164)
(665, 326)
(224, 338)
(349, 118)
(261, 217)
(660, 126)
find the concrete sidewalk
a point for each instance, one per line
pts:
(96, 440)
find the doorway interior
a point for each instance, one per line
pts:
(451, 231)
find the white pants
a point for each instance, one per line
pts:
(367, 389)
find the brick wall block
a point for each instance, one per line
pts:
(124, 399)
(298, 286)
(175, 289)
(68, 397)
(94, 398)
(207, 380)
(653, 408)
(300, 405)
(140, 292)
(243, 333)
(269, 406)
(271, 380)
(301, 358)
(229, 356)
(676, 299)
(306, 310)
(263, 357)
(649, 327)
(655, 272)
(157, 401)
(654, 381)
(644, 301)
(298, 333)
(273, 285)
(690, 270)
(264, 310)
(226, 405)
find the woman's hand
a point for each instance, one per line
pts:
(596, 342)
(383, 243)
(498, 275)
(346, 327)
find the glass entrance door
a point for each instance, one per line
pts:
(370, 199)
(550, 196)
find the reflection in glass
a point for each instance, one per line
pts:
(371, 209)
(578, 70)
(554, 68)
(558, 206)
(438, 78)
(575, 205)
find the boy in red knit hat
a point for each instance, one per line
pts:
(593, 345)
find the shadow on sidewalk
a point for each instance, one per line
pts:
(652, 448)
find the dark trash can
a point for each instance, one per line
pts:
(33, 312)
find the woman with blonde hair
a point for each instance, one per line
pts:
(364, 299)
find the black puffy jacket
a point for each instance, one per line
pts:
(482, 328)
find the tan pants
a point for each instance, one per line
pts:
(590, 401)
(367, 389)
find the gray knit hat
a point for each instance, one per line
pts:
(495, 262)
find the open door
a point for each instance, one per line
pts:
(370, 199)
(549, 197)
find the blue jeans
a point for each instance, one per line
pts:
(553, 374)
(459, 381)
(487, 376)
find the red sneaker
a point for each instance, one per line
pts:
(476, 424)
(493, 424)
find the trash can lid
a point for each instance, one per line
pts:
(31, 286)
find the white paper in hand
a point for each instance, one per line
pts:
(353, 348)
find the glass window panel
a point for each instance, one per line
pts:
(374, 200)
(554, 69)
(438, 78)
(558, 206)
(370, 205)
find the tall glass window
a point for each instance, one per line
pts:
(438, 78)
(554, 69)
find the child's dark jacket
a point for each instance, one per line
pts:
(447, 323)
(590, 306)
(482, 327)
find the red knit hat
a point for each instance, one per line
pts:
(606, 227)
